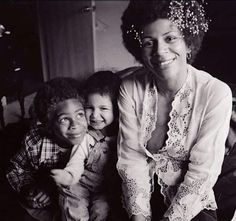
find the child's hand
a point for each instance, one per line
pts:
(37, 198)
(61, 177)
(99, 211)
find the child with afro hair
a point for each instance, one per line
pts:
(59, 108)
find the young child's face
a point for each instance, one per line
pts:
(69, 124)
(99, 111)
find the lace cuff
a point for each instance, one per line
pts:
(188, 202)
(136, 194)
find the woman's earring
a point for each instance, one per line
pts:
(189, 55)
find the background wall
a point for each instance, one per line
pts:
(66, 30)
(109, 50)
(219, 47)
(20, 17)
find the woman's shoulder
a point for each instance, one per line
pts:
(137, 79)
(127, 71)
(208, 82)
(132, 72)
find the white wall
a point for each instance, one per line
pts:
(66, 38)
(109, 50)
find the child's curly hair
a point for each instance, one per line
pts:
(188, 15)
(104, 83)
(51, 93)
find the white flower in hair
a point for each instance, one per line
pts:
(188, 17)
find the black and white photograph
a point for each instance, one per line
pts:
(118, 110)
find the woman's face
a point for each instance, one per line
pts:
(164, 50)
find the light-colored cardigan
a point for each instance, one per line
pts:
(189, 163)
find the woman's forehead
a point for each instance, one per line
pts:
(160, 26)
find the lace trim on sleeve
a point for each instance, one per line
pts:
(136, 199)
(184, 199)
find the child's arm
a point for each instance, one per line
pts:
(75, 167)
(62, 177)
(21, 171)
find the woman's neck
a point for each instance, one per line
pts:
(169, 87)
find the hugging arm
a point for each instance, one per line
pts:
(75, 167)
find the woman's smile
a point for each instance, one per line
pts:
(164, 63)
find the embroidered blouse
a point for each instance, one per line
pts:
(188, 164)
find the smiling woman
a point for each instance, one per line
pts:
(164, 51)
(169, 151)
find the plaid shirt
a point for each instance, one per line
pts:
(32, 164)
